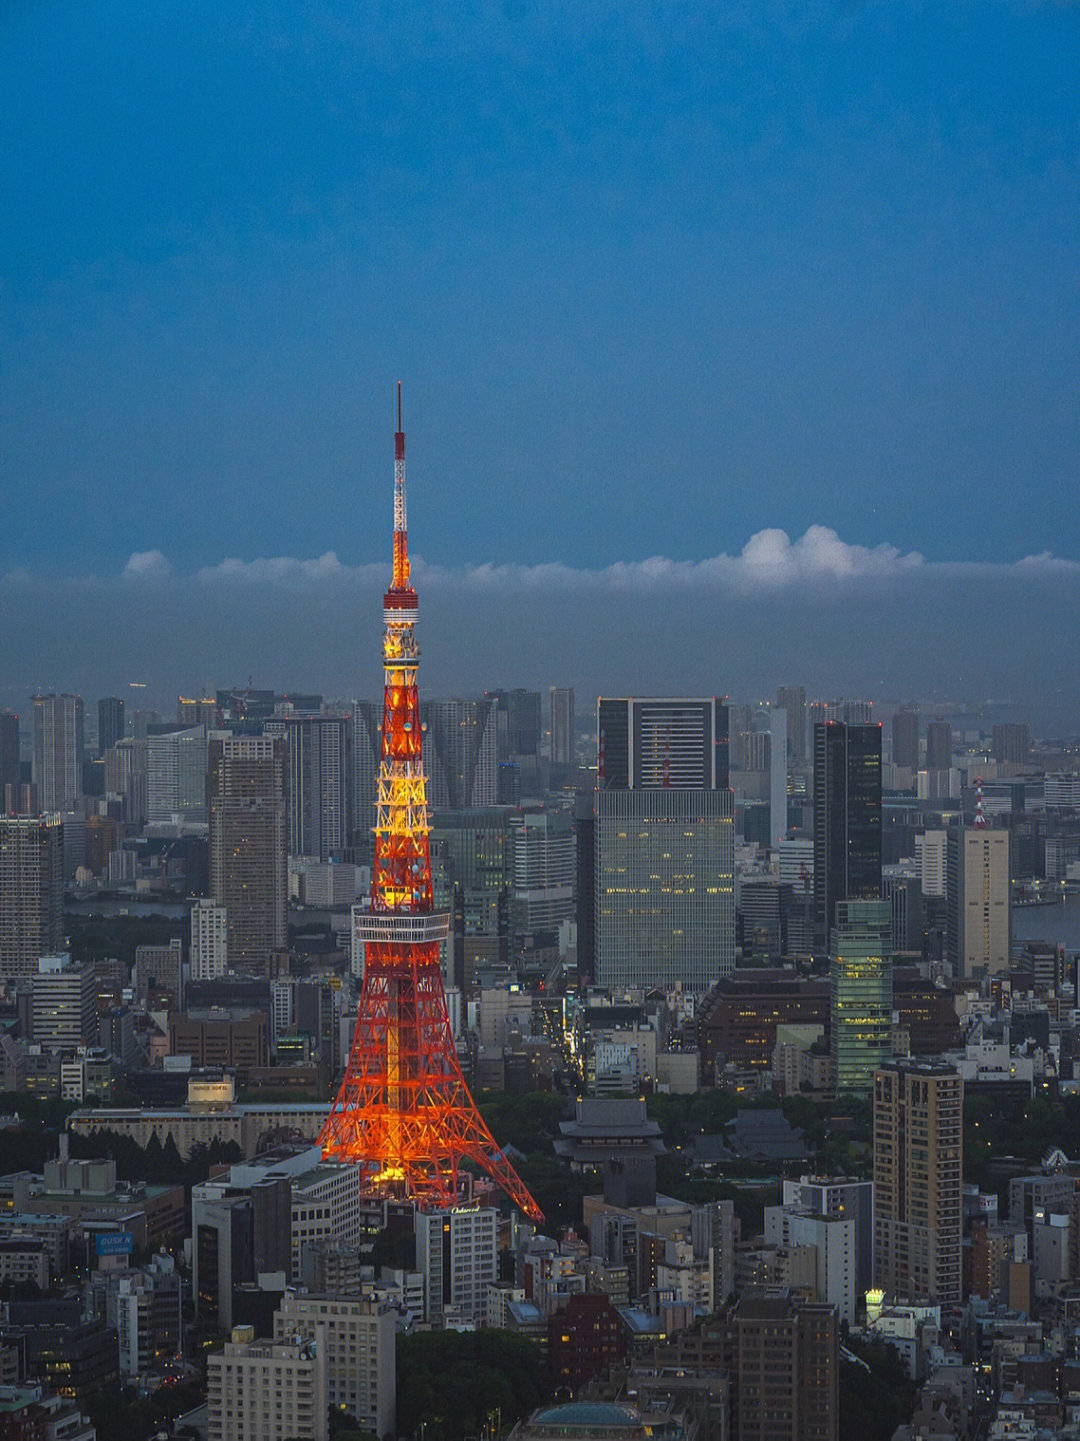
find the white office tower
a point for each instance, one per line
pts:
(840, 1196)
(268, 1391)
(831, 1240)
(325, 1207)
(134, 1308)
(146, 1308)
(457, 1251)
(778, 773)
(359, 916)
(795, 865)
(63, 1004)
(358, 1335)
(176, 777)
(931, 850)
(282, 1006)
(544, 861)
(209, 940)
(1062, 791)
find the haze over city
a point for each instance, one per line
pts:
(736, 346)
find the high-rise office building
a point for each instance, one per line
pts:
(197, 711)
(830, 1240)
(840, 1196)
(858, 712)
(905, 739)
(938, 745)
(518, 722)
(457, 1252)
(110, 722)
(741, 723)
(792, 698)
(126, 778)
(176, 776)
(58, 750)
(470, 858)
(660, 742)
(31, 893)
(1011, 743)
(367, 738)
(460, 741)
(757, 751)
(978, 901)
(209, 940)
(918, 1181)
(784, 1358)
(664, 836)
(847, 819)
(665, 896)
(63, 999)
(931, 849)
(860, 992)
(543, 863)
(778, 775)
(248, 861)
(562, 725)
(10, 764)
(358, 1336)
(585, 849)
(320, 780)
(276, 1391)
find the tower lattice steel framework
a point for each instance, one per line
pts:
(404, 1109)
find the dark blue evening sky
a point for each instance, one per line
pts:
(744, 336)
(656, 277)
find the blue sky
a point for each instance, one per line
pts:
(660, 280)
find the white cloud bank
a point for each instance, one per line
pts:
(769, 562)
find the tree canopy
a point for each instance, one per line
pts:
(452, 1381)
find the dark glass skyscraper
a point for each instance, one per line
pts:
(657, 742)
(938, 745)
(110, 722)
(847, 820)
(905, 739)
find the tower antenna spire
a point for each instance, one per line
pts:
(400, 581)
(403, 1110)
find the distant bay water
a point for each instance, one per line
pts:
(1058, 924)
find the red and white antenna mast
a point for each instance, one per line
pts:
(980, 816)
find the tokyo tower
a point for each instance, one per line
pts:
(403, 1109)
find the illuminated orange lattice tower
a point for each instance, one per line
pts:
(403, 1109)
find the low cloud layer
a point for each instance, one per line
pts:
(836, 617)
(769, 562)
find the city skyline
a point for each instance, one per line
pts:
(946, 636)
